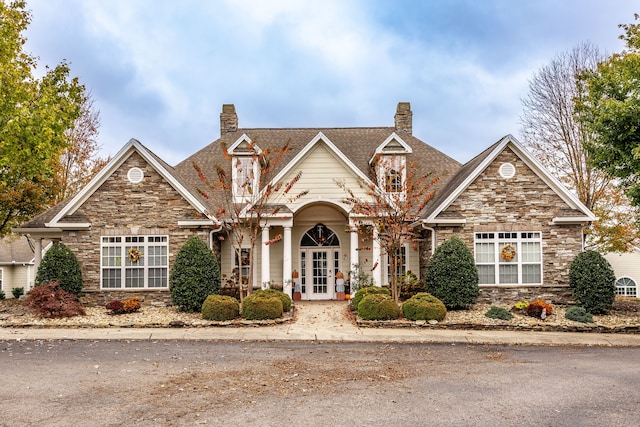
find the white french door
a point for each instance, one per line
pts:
(318, 267)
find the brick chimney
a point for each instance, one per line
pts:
(404, 118)
(228, 119)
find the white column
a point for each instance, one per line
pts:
(354, 248)
(266, 259)
(377, 261)
(38, 252)
(286, 261)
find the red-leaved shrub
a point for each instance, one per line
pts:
(536, 307)
(130, 305)
(50, 300)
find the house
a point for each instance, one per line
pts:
(127, 225)
(17, 264)
(626, 266)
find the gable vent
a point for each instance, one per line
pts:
(135, 175)
(507, 170)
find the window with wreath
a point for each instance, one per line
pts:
(509, 258)
(134, 262)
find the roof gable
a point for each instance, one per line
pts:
(133, 146)
(476, 166)
(392, 145)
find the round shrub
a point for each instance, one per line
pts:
(499, 313)
(578, 314)
(592, 282)
(195, 275)
(261, 307)
(60, 265)
(220, 307)
(452, 276)
(286, 300)
(424, 306)
(362, 292)
(535, 308)
(378, 307)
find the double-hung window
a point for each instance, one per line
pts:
(134, 262)
(242, 263)
(391, 173)
(509, 258)
(401, 266)
(245, 177)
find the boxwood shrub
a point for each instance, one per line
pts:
(220, 307)
(286, 300)
(496, 312)
(378, 307)
(362, 292)
(424, 306)
(261, 307)
(578, 314)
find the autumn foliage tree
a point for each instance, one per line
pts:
(554, 132)
(246, 197)
(391, 207)
(80, 159)
(610, 108)
(35, 116)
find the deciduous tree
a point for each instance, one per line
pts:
(555, 134)
(35, 114)
(610, 108)
(246, 197)
(391, 213)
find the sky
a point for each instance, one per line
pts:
(160, 70)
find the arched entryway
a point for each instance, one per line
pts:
(320, 260)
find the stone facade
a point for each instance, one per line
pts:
(120, 208)
(521, 203)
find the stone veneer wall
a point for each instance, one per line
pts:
(120, 208)
(521, 203)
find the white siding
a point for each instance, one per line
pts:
(320, 168)
(625, 265)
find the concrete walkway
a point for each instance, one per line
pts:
(326, 321)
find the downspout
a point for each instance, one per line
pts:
(433, 237)
(215, 230)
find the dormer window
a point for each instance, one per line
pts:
(245, 174)
(392, 173)
(390, 160)
(245, 169)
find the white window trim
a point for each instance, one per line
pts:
(123, 255)
(498, 244)
(233, 261)
(384, 162)
(626, 287)
(387, 263)
(239, 193)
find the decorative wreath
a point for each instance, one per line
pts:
(134, 254)
(508, 252)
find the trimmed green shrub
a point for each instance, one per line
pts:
(17, 292)
(410, 285)
(220, 307)
(2, 295)
(452, 276)
(578, 314)
(424, 306)
(378, 307)
(261, 307)
(362, 292)
(50, 300)
(195, 275)
(60, 265)
(592, 282)
(499, 313)
(286, 300)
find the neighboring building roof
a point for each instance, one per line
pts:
(15, 251)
